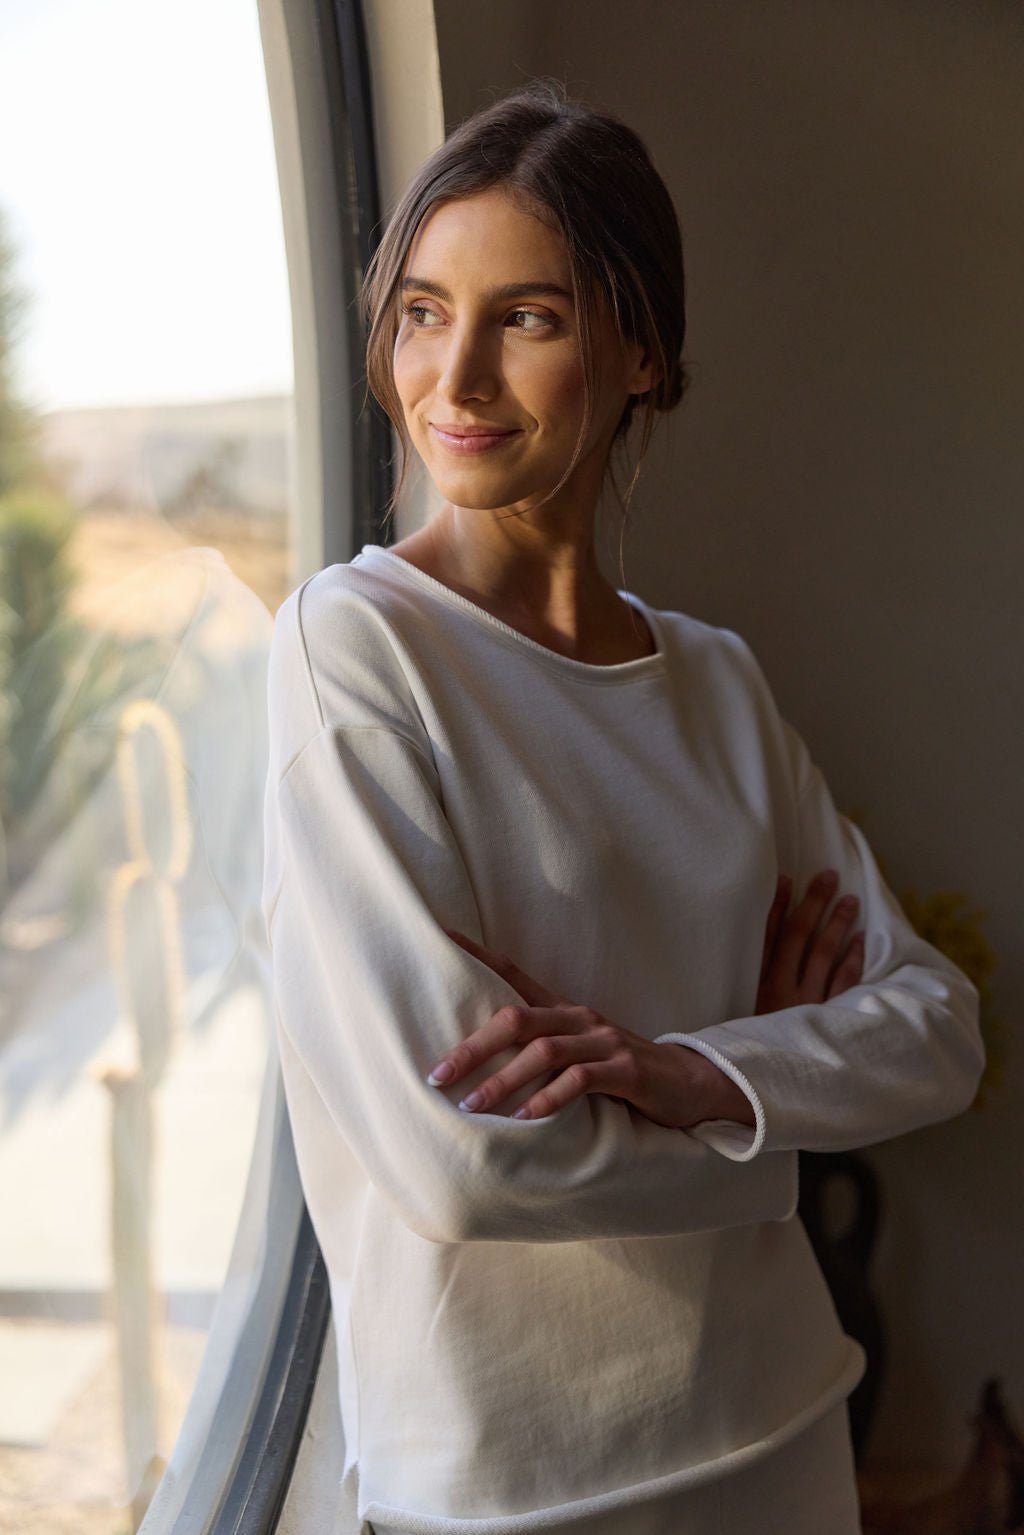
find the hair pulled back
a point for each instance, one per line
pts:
(590, 177)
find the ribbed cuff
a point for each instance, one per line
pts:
(740, 1143)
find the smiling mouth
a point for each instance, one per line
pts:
(472, 439)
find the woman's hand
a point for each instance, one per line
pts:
(584, 1052)
(588, 1052)
(804, 961)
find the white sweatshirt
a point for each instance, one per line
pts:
(542, 1318)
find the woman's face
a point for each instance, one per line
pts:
(487, 361)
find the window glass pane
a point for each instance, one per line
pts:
(145, 441)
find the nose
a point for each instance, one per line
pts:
(471, 368)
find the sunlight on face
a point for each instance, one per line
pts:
(487, 361)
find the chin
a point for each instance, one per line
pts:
(493, 503)
(482, 492)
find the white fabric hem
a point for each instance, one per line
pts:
(563, 1514)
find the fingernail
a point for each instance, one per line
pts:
(442, 1073)
(829, 877)
(848, 903)
(471, 1101)
(523, 1113)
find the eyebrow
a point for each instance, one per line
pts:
(509, 290)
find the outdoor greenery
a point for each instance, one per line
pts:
(40, 641)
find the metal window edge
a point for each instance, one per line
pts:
(259, 1486)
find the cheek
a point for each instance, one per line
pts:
(410, 373)
(556, 391)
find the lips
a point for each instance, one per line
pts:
(471, 439)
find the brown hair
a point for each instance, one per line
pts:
(591, 178)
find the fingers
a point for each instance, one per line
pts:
(497, 1034)
(808, 958)
(542, 1056)
(507, 1027)
(572, 1042)
(780, 981)
(574, 1082)
(802, 924)
(850, 968)
(779, 907)
(823, 954)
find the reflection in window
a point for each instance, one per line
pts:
(145, 398)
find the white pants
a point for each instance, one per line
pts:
(805, 1488)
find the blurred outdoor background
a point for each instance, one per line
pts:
(145, 400)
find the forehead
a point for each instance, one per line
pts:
(488, 234)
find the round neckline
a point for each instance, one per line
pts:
(617, 671)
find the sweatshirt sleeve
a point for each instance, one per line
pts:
(898, 1051)
(370, 991)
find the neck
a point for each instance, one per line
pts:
(545, 582)
(548, 572)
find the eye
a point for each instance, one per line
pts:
(530, 320)
(422, 317)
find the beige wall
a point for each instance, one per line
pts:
(844, 486)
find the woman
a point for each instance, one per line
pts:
(548, 1072)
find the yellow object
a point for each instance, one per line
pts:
(946, 920)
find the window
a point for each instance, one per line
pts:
(147, 533)
(164, 481)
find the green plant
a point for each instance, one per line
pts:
(38, 638)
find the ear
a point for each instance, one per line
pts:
(644, 374)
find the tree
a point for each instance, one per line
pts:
(18, 437)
